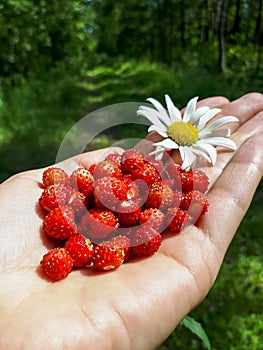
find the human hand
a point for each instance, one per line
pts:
(138, 305)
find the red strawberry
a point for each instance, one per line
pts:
(54, 176)
(195, 203)
(60, 223)
(114, 158)
(80, 249)
(98, 223)
(57, 264)
(145, 172)
(160, 195)
(173, 172)
(82, 180)
(153, 217)
(177, 198)
(176, 219)
(55, 196)
(128, 213)
(91, 168)
(146, 241)
(158, 164)
(107, 257)
(109, 192)
(78, 202)
(194, 180)
(131, 159)
(107, 169)
(120, 242)
(132, 187)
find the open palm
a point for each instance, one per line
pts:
(138, 305)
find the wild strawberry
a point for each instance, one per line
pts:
(194, 180)
(120, 242)
(56, 264)
(79, 203)
(146, 241)
(195, 203)
(127, 231)
(60, 223)
(92, 168)
(154, 217)
(98, 223)
(131, 159)
(160, 196)
(114, 158)
(176, 219)
(82, 180)
(173, 172)
(132, 187)
(128, 213)
(55, 196)
(80, 249)
(107, 169)
(158, 164)
(109, 192)
(107, 257)
(177, 198)
(145, 172)
(54, 176)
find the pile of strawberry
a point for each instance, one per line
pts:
(116, 210)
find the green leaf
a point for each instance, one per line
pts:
(197, 329)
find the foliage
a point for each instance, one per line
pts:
(35, 35)
(197, 329)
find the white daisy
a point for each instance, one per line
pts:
(188, 132)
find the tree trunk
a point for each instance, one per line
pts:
(259, 35)
(220, 24)
(236, 24)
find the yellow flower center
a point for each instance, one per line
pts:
(184, 134)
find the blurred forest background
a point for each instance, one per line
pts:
(60, 60)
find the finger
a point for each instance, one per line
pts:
(249, 129)
(244, 107)
(212, 102)
(232, 193)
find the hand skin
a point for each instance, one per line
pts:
(137, 306)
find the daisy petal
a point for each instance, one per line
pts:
(217, 124)
(167, 144)
(188, 157)
(206, 117)
(174, 112)
(158, 130)
(189, 110)
(215, 133)
(209, 149)
(220, 141)
(152, 116)
(198, 114)
(162, 111)
(202, 154)
(157, 153)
